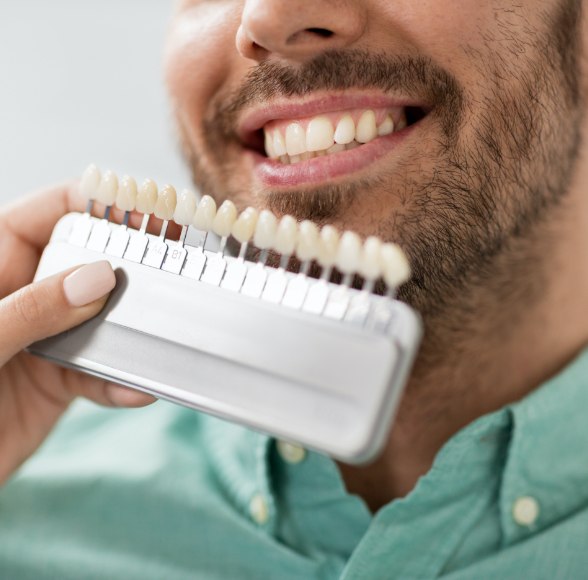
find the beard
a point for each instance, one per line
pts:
(470, 207)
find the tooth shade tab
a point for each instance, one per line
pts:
(265, 230)
(108, 188)
(126, 197)
(328, 245)
(286, 236)
(165, 206)
(185, 207)
(244, 226)
(224, 219)
(308, 241)
(349, 253)
(147, 197)
(205, 214)
(371, 262)
(395, 265)
(90, 182)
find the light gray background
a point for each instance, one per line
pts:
(82, 82)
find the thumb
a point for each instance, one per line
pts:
(53, 305)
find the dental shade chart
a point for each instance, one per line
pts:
(242, 327)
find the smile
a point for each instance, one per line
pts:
(323, 139)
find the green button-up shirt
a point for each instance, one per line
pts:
(167, 493)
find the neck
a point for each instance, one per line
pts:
(507, 335)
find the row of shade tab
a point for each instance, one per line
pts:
(371, 258)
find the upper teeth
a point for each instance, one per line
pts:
(300, 140)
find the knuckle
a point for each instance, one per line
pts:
(27, 305)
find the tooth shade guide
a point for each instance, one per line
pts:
(307, 250)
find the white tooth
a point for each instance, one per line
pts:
(269, 145)
(147, 196)
(165, 206)
(366, 127)
(336, 148)
(395, 266)
(371, 262)
(286, 236)
(108, 188)
(386, 127)
(308, 241)
(295, 159)
(205, 213)
(295, 139)
(279, 144)
(186, 207)
(126, 198)
(349, 253)
(319, 134)
(265, 230)
(244, 227)
(90, 182)
(345, 131)
(328, 245)
(224, 219)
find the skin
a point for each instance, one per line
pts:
(486, 195)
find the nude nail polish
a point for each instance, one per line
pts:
(89, 283)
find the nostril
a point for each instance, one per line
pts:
(322, 32)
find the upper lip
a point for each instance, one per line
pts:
(255, 118)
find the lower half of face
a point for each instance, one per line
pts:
(452, 162)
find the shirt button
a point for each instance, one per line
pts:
(290, 453)
(525, 511)
(258, 509)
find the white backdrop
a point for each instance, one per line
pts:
(81, 82)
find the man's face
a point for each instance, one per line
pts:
(483, 95)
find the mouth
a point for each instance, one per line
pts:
(320, 140)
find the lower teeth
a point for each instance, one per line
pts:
(290, 159)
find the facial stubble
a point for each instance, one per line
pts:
(503, 163)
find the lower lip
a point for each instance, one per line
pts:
(314, 171)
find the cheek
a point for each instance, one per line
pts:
(200, 56)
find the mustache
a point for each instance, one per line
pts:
(411, 76)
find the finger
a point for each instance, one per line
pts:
(53, 305)
(103, 392)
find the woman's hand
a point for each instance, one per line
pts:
(33, 392)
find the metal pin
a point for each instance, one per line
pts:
(163, 230)
(243, 251)
(223, 245)
(144, 223)
(326, 274)
(89, 207)
(183, 235)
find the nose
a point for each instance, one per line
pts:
(298, 29)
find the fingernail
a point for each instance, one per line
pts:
(89, 283)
